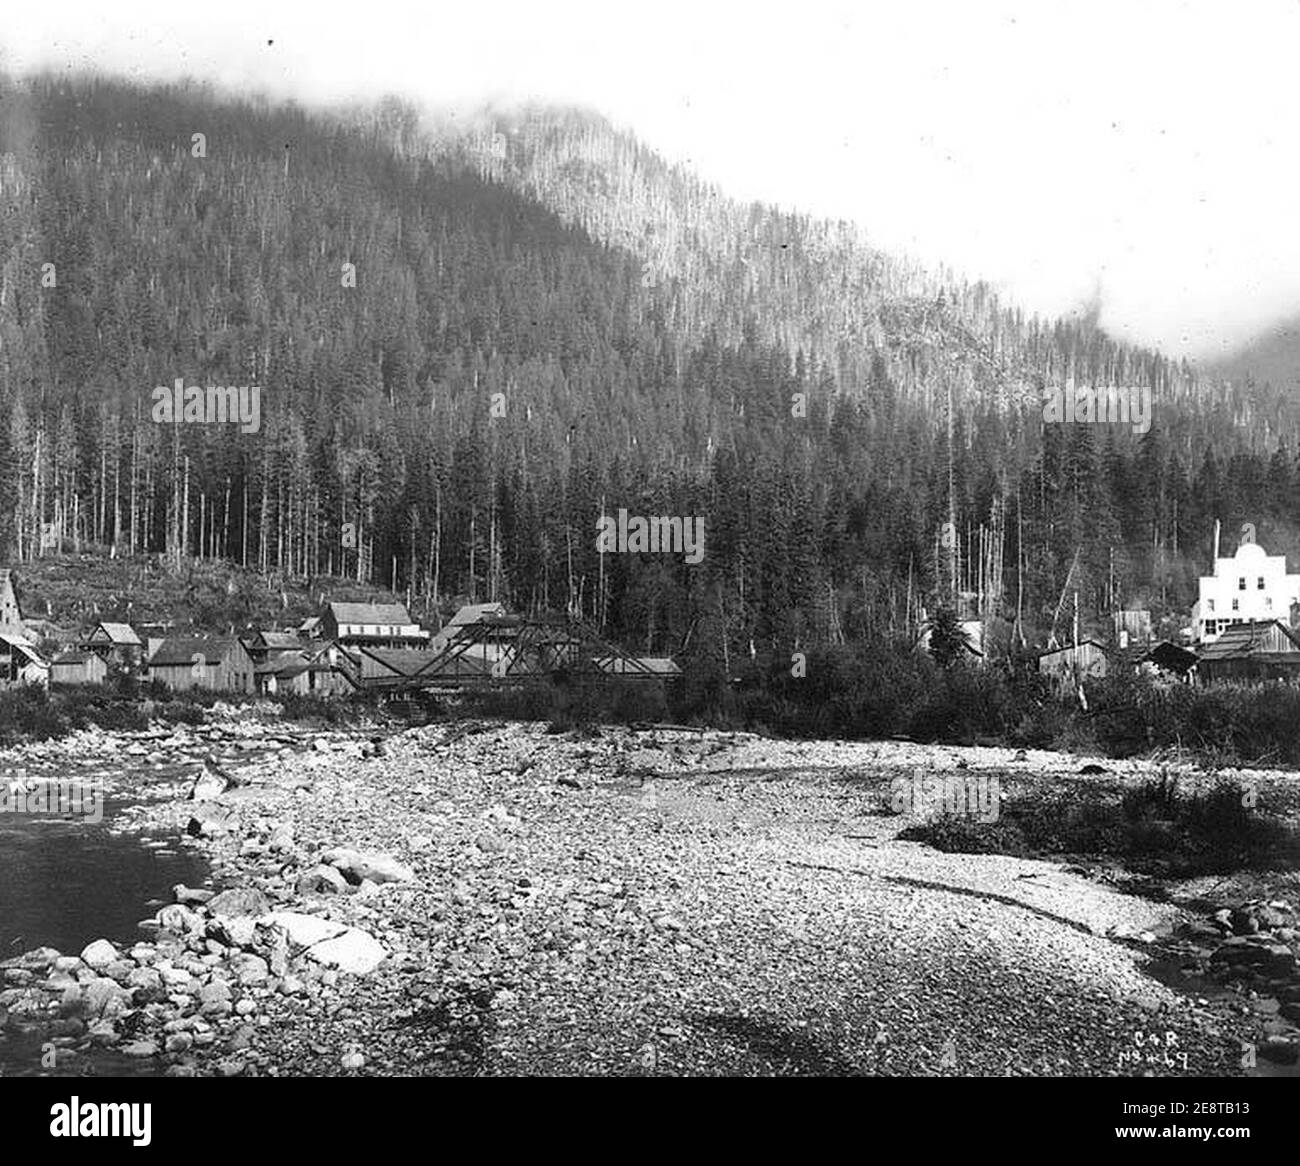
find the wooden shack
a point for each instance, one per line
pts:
(78, 666)
(219, 663)
(1069, 667)
(1253, 652)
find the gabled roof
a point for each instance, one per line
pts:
(473, 613)
(276, 640)
(1071, 648)
(25, 647)
(403, 661)
(640, 666)
(118, 633)
(1171, 656)
(177, 650)
(373, 613)
(277, 661)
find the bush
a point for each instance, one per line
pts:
(1153, 828)
(1233, 724)
(29, 714)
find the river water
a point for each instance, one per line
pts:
(66, 880)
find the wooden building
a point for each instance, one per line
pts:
(304, 672)
(373, 625)
(79, 666)
(262, 646)
(640, 667)
(1170, 659)
(20, 663)
(1069, 667)
(115, 643)
(1132, 627)
(221, 663)
(1257, 651)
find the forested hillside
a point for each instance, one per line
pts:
(471, 343)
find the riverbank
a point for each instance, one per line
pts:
(657, 902)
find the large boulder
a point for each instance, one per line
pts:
(304, 930)
(355, 951)
(357, 866)
(101, 998)
(334, 945)
(99, 954)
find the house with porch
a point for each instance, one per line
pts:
(371, 625)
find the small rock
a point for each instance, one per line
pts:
(357, 865)
(1244, 922)
(321, 880)
(249, 969)
(353, 1061)
(236, 930)
(281, 840)
(102, 1033)
(208, 821)
(181, 920)
(213, 992)
(239, 901)
(140, 1048)
(144, 978)
(292, 986)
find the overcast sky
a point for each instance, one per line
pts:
(1143, 150)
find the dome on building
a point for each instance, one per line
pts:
(1250, 551)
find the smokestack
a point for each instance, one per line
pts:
(1214, 564)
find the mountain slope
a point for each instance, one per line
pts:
(472, 346)
(1273, 358)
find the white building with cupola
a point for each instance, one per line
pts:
(1250, 587)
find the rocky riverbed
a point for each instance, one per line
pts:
(487, 898)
